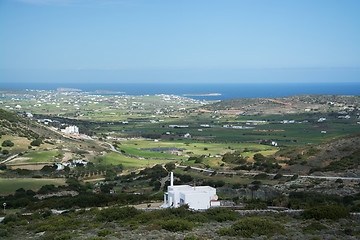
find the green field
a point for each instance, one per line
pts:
(20, 143)
(10, 185)
(127, 162)
(45, 156)
(197, 148)
(135, 151)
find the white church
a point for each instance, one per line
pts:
(197, 198)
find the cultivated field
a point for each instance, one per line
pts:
(9, 185)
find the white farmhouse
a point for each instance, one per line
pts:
(71, 130)
(197, 198)
(187, 135)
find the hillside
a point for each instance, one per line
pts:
(287, 105)
(15, 125)
(25, 135)
(338, 155)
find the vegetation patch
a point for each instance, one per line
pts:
(251, 226)
(333, 212)
(176, 225)
(44, 156)
(9, 185)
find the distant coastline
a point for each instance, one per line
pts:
(106, 92)
(227, 90)
(202, 94)
(68, 90)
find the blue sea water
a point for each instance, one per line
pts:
(227, 90)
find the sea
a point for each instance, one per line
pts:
(197, 90)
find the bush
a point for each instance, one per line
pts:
(170, 166)
(257, 205)
(278, 176)
(250, 226)
(197, 218)
(105, 232)
(315, 226)
(7, 143)
(191, 237)
(177, 225)
(333, 212)
(36, 143)
(3, 233)
(5, 152)
(294, 177)
(221, 214)
(112, 214)
(261, 176)
(65, 236)
(10, 218)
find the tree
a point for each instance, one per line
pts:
(7, 143)
(48, 168)
(170, 166)
(36, 142)
(259, 158)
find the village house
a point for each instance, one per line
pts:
(197, 198)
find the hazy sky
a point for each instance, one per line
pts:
(179, 40)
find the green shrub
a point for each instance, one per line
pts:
(315, 226)
(333, 212)
(11, 218)
(261, 176)
(4, 231)
(294, 177)
(36, 142)
(116, 213)
(278, 176)
(59, 223)
(105, 232)
(7, 143)
(176, 225)
(197, 218)
(45, 228)
(65, 236)
(250, 226)
(257, 205)
(191, 237)
(221, 214)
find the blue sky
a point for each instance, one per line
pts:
(179, 40)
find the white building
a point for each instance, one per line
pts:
(71, 130)
(197, 198)
(322, 119)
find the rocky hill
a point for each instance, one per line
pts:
(287, 105)
(13, 124)
(338, 155)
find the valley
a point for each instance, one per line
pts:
(117, 150)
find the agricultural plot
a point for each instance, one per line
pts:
(127, 162)
(20, 143)
(10, 185)
(198, 148)
(37, 157)
(217, 163)
(135, 151)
